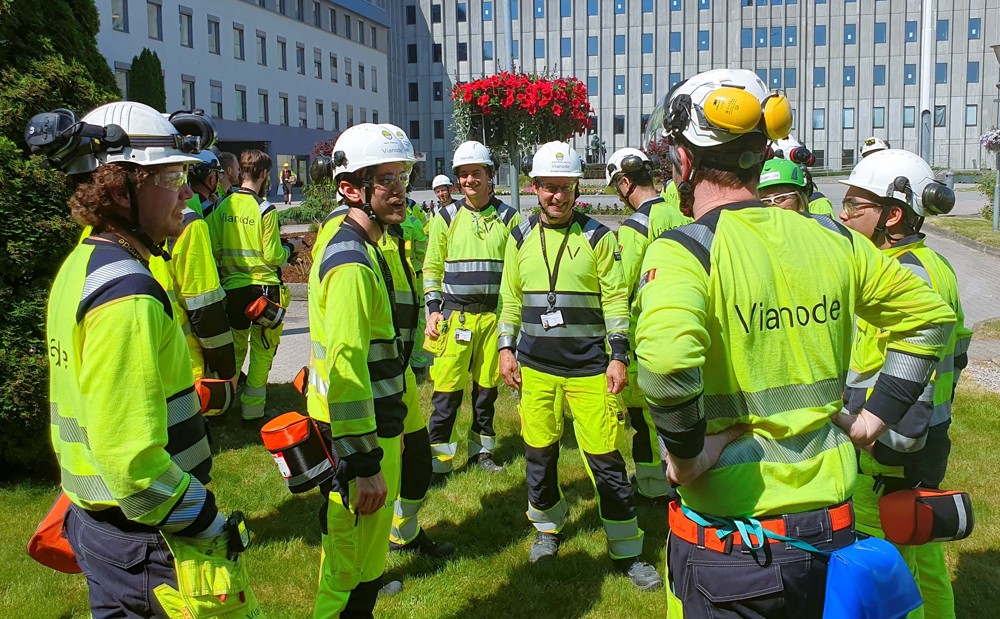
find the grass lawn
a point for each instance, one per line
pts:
(988, 330)
(975, 228)
(484, 514)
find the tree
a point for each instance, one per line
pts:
(146, 81)
(50, 60)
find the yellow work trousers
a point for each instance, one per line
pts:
(459, 361)
(416, 467)
(262, 344)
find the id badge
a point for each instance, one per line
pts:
(552, 319)
(463, 335)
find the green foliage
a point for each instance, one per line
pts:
(321, 198)
(146, 81)
(986, 185)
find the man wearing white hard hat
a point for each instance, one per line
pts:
(357, 366)
(873, 145)
(462, 271)
(743, 340)
(126, 428)
(630, 172)
(890, 192)
(442, 187)
(564, 304)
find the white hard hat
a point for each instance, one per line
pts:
(718, 106)
(873, 145)
(614, 166)
(403, 138)
(785, 145)
(441, 181)
(904, 176)
(152, 139)
(471, 153)
(556, 159)
(367, 145)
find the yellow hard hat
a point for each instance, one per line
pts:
(286, 165)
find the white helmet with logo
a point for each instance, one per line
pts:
(399, 133)
(367, 145)
(904, 176)
(873, 145)
(614, 167)
(556, 159)
(469, 153)
(441, 181)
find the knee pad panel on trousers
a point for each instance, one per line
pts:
(442, 424)
(416, 462)
(542, 473)
(616, 500)
(361, 601)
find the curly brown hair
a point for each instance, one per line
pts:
(93, 202)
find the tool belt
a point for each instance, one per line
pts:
(922, 515)
(470, 308)
(841, 517)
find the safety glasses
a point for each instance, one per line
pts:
(853, 208)
(778, 198)
(391, 181)
(554, 188)
(172, 181)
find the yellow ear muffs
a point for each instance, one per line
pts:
(732, 109)
(777, 116)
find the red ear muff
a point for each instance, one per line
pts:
(777, 116)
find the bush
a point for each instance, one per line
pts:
(146, 81)
(320, 199)
(986, 184)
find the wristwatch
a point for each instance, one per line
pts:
(623, 357)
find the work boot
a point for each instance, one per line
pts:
(545, 546)
(643, 575)
(485, 462)
(425, 546)
(390, 588)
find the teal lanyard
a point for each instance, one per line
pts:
(751, 531)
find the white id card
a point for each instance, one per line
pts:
(552, 319)
(463, 335)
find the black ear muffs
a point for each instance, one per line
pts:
(937, 199)
(339, 159)
(679, 115)
(526, 163)
(320, 171)
(195, 124)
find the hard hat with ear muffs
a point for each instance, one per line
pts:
(207, 163)
(904, 177)
(629, 161)
(196, 124)
(321, 169)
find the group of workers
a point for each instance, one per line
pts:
(781, 370)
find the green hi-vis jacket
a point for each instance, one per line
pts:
(246, 240)
(746, 317)
(819, 204)
(589, 292)
(465, 250)
(409, 304)
(869, 354)
(191, 279)
(654, 217)
(126, 426)
(356, 355)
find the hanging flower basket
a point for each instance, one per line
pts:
(511, 111)
(991, 140)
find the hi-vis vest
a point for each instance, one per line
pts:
(465, 251)
(746, 317)
(126, 425)
(653, 217)
(246, 240)
(590, 294)
(408, 304)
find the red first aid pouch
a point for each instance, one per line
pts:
(923, 515)
(297, 447)
(48, 546)
(265, 312)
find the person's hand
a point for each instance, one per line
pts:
(617, 376)
(863, 429)
(371, 494)
(509, 369)
(430, 329)
(686, 470)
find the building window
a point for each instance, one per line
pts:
(374, 46)
(647, 6)
(942, 30)
(333, 21)
(775, 78)
(848, 76)
(776, 37)
(318, 64)
(939, 115)
(414, 91)
(262, 50)
(411, 53)
(878, 118)
(819, 77)
(374, 80)
(262, 115)
(592, 85)
(348, 72)
(847, 158)
(941, 73)
(909, 116)
(647, 83)
(703, 40)
(300, 10)
(460, 12)
(619, 44)
(438, 129)
(911, 31)
(593, 7)
(675, 5)
(303, 118)
(347, 26)
(361, 76)
(488, 50)
(437, 91)
(762, 74)
(619, 124)
(878, 75)
(414, 132)
(213, 37)
(333, 68)
(435, 13)
(318, 20)
(971, 115)
(619, 84)
(972, 73)
(909, 74)
(746, 38)
(241, 104)
(350, 116)
(121, 78)
(791, 77)
(282, 55)
(761, 37)
(411, 15)
(565, 8)
(119, 15)
(619, 7)
(819, 118)
(375, 116)
(974, 26)
(361, 32)
(848, 118)
(539, 48)
(320, 115)
(187, 94)
(673, 78)
(487, 11)
(643, 123)
(539, 9)
(463, 51)
(187, 37)
(647, 43)
(675, 41)
(280, 7)
(335, 112)
(283, 110)
(791, 36)
(819, 35)
(515, 49)
(703, 4)
(592, 46)
(300, 59)
(215, 92)
(850, 34)
(154, 21)
(238, 51)
(565, 47)
(880, 32)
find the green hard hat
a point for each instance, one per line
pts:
(781, 172)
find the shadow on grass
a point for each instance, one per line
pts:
(976, 575)
(295, 518)
(229, 431)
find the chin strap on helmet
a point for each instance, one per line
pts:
(133, 225)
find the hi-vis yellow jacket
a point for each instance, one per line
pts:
(246, 240)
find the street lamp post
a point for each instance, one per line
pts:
(996, 183)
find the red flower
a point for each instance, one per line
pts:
(557, 109)
(483, 100)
